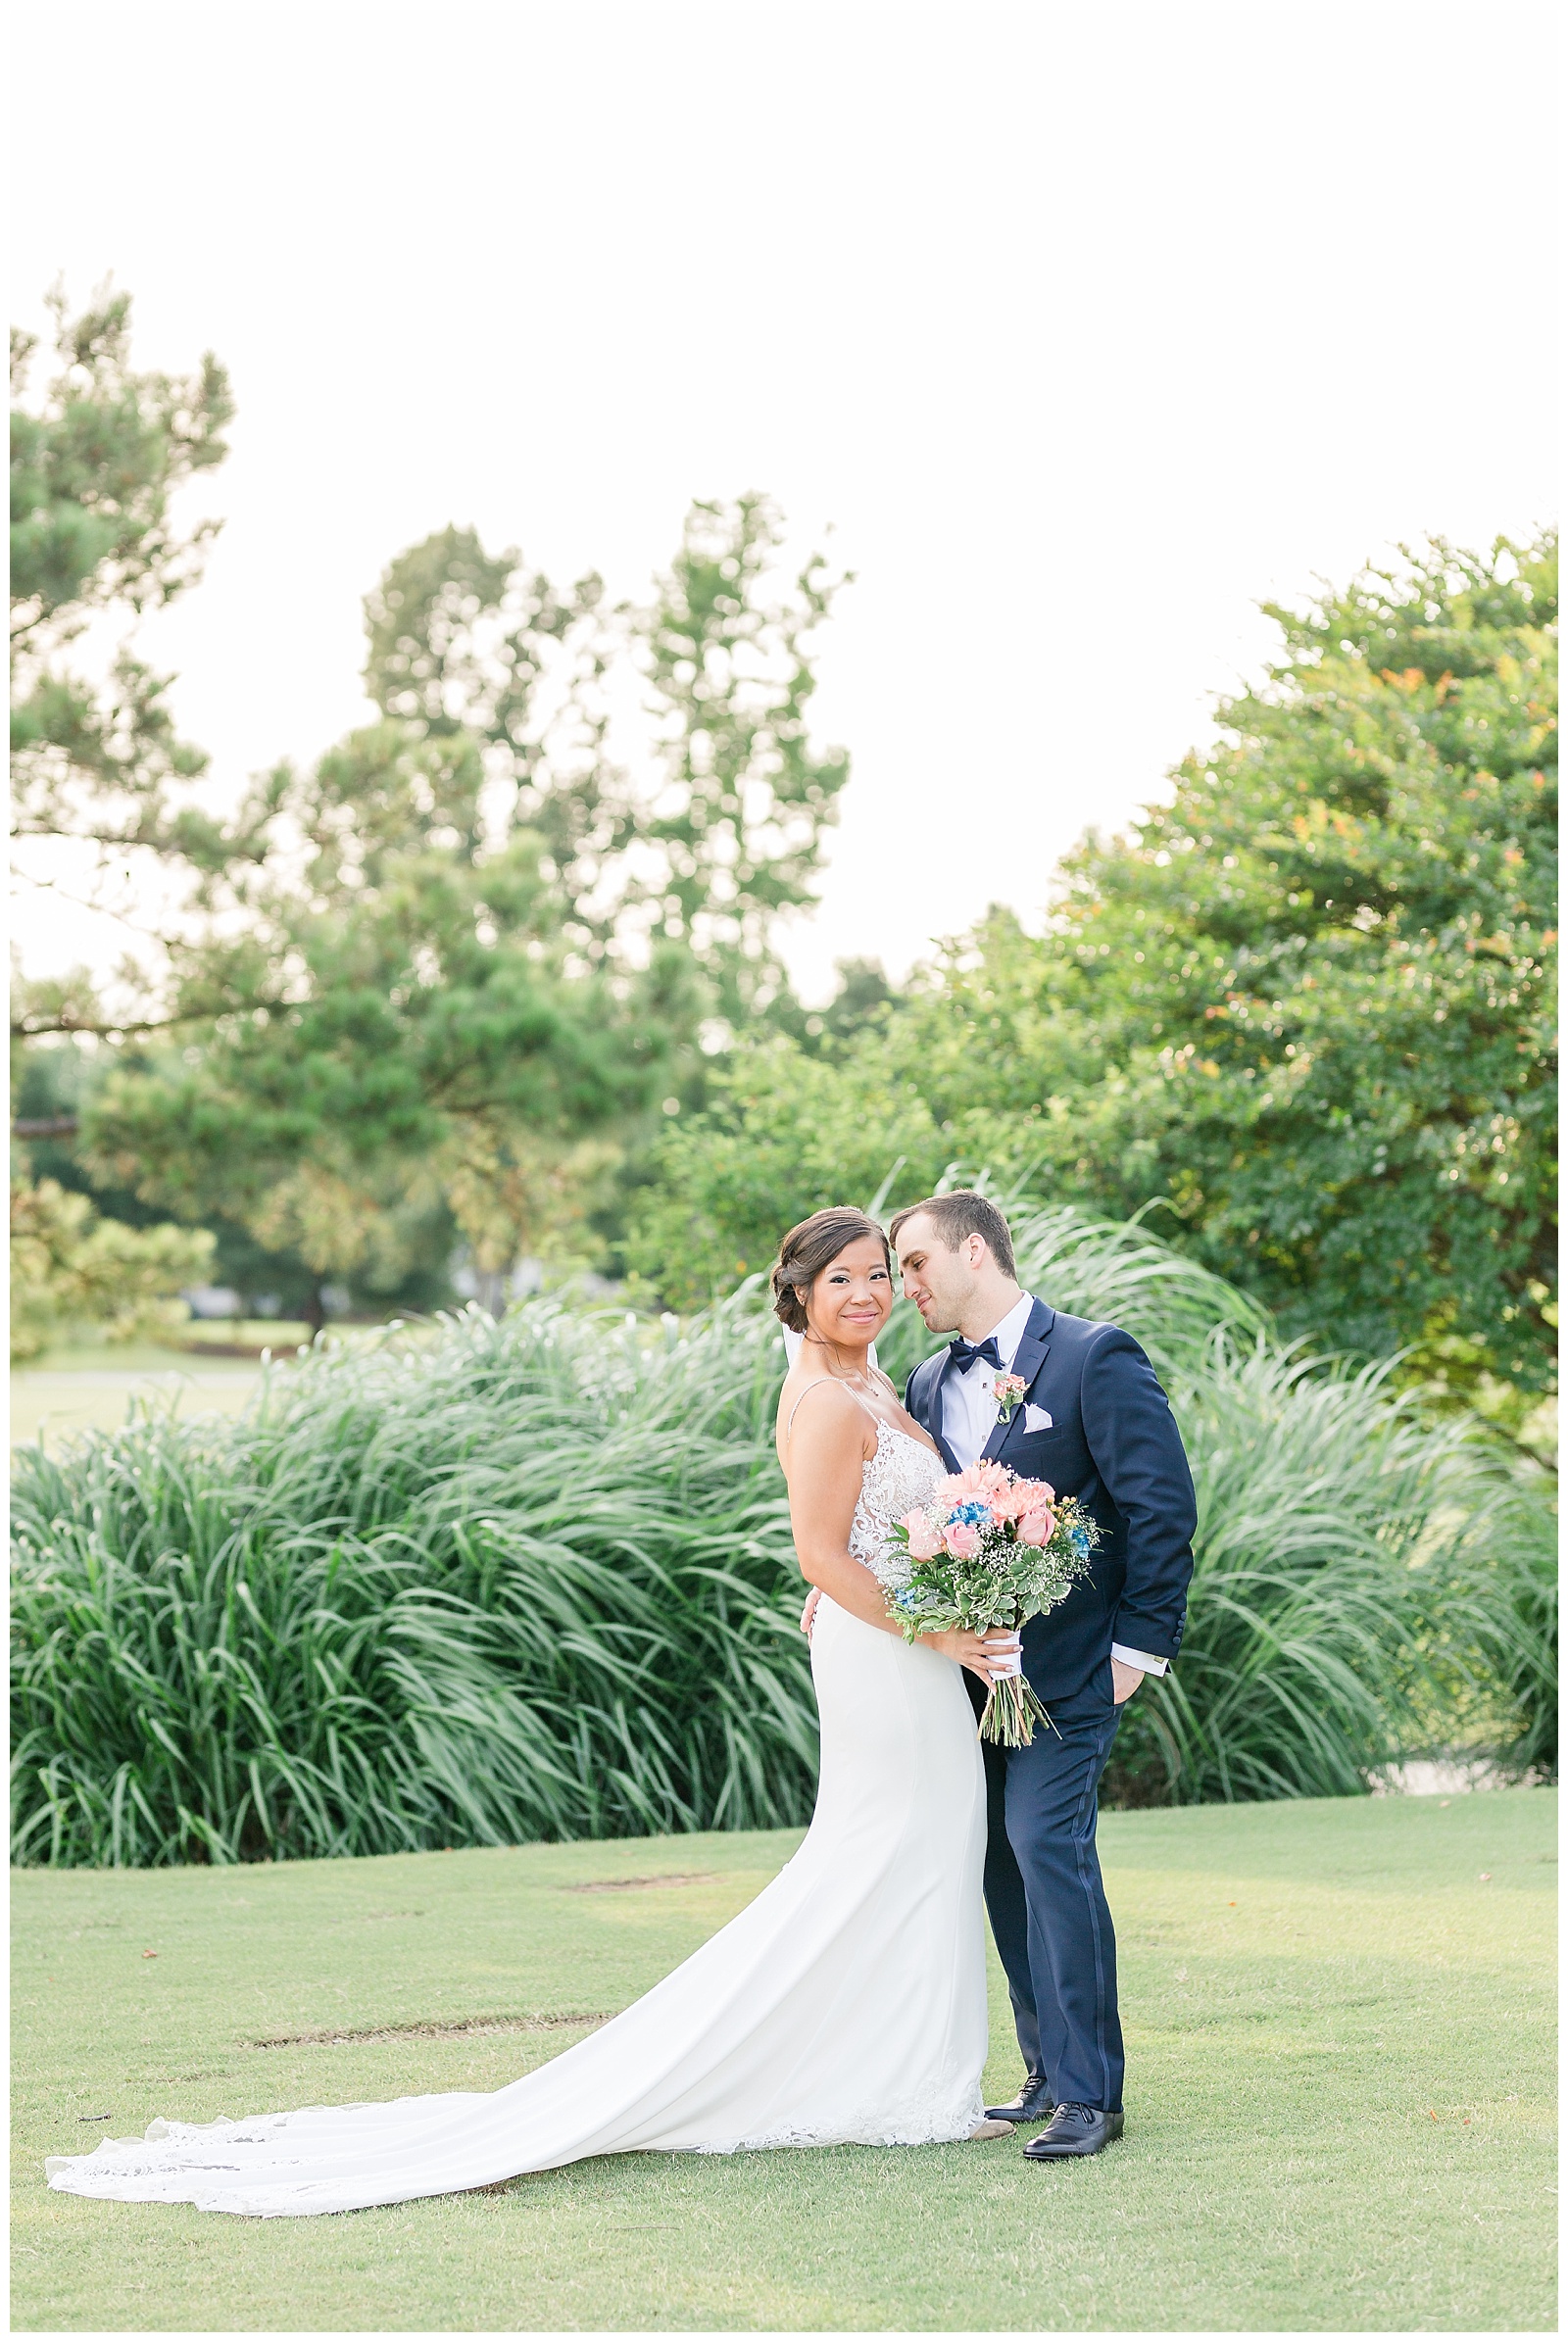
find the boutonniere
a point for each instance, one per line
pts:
(1009, 1388)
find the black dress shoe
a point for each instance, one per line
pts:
(1076, 2130)
(1035, 2102)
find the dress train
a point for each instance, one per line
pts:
(847, 2004)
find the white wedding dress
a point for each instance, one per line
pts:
(846, 2003)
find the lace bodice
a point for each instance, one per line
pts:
(903, 1472)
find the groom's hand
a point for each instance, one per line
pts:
(1124, 1681)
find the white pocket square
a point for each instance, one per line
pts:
(1036, 1419)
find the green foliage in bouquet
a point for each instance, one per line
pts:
(991, 1549)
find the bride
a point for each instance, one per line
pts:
(847, 2004)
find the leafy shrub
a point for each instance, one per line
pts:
(534, 1580)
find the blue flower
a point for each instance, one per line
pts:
(974, 1510)
(1078, 1538)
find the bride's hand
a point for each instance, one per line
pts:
(809, 1611)
(973, 1651)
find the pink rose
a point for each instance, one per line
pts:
(1034, 1493)
(1035, 1528)
(925, 1539)
(962, 1539)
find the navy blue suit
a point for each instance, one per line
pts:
(1111, 1442)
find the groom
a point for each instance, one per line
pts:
(1095, 1423)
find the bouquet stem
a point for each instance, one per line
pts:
(1012, 1711)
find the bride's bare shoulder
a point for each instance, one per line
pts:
(834, 1419)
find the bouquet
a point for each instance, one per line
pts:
(990, 1550)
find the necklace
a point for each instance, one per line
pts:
(855, 1380)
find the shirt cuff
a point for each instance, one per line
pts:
(1149, 1665)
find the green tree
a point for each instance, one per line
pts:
(466, 644)
(96, 462)
(746, 796)
(411, 1020)
(71, 1270)
(494, 934)
(702, 833)
(787, 1133)
(1308, 1002)
(497, 961)
(51, 1080)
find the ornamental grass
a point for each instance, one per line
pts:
(492, 1581)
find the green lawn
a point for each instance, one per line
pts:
(88, 1386)
(86, 1390)
(1340, 2100)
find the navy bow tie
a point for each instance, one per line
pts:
(965, 1353)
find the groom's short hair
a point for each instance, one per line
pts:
(960, 1215)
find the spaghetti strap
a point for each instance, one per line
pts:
(821, 1380)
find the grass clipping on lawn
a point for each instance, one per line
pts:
(534, 1580)
(1340, 2102)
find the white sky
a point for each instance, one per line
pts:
(1087, 327)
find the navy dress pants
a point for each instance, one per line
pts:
(1045, 1899)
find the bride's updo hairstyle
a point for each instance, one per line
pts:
(807, 1252)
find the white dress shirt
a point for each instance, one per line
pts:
(969, 1411)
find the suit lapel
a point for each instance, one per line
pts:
(927, 1390)
(1027, 1361)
